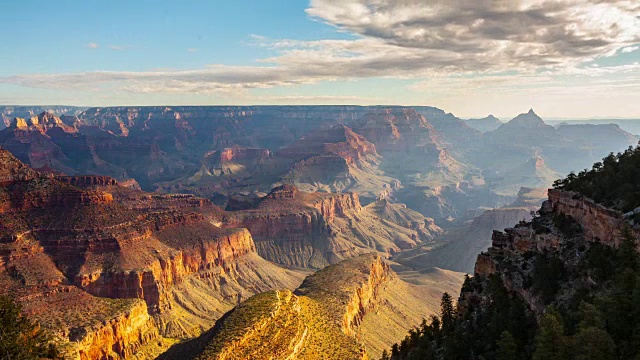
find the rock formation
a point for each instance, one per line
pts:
(567, 227)
(351, 310)
(421, 156)
(293, 227)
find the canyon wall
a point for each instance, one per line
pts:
(290, 229)
(567, 226)
(154, 281)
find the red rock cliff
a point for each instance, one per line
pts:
(153, 282)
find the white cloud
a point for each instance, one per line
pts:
(193, 50)
(119, 47)
(92, 45)
(490, 33)
(464, 42)
(630, 49)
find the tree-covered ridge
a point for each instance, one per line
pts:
(614, 182)
(591, 307)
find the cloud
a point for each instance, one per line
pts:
(466, 41)
(92, 45)
(119, 47)
(193, 50)
(491, 33)
(312, 99)
(630, 49)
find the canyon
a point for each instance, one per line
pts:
(421, 156)
(207, 228)
(112, 270)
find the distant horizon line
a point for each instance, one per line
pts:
(475, 117)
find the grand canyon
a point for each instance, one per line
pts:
(159, 231)
(320, 179)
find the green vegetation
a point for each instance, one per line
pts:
(597, 323)
(614, 182)
(20, 338)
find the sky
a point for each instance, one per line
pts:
(565, 59)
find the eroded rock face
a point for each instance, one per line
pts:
(120, 337)
(598, 222)
(283, 192)
(293, 227)
(365, 298)
(214, 257)
(338, 205)
(87, 181)
(567, 227)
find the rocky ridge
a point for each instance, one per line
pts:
(331, 315)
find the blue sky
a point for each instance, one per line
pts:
(574, 58)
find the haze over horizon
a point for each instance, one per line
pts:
(566, 59)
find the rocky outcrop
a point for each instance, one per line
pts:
(365, 298)
(350, 289)
(291, 238)
(337, 205)
(13, 170)
(599, 223)
(88, 180)
(349, 310)
(484, 265)
(237, 153)
(117, 338)
(293, 227)
(283, 192)
(47, 194)
(566, 228)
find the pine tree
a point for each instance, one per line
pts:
(628, 257)
(447, 313)
(385, 355)
(550, 342)
(20, 338)
(507, 347)
(594, 344)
